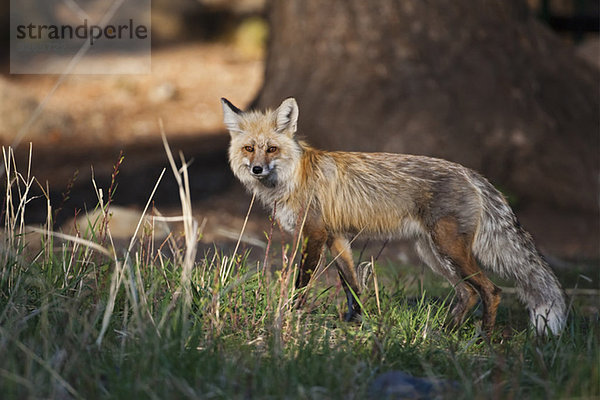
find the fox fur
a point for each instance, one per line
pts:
(457, 219)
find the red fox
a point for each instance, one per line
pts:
(458, 220)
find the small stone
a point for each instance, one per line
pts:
(398, 385)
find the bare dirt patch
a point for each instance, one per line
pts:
(183, 89)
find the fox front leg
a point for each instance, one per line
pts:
(342, 254)
(311, 257)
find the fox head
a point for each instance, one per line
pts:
(263, 151)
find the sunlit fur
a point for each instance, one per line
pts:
(446, 208)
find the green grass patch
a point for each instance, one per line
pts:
(78, 321)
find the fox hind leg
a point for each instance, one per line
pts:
(456, 247)
(466, 295)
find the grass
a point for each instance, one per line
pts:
(82, 319)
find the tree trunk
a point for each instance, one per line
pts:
(476, 82)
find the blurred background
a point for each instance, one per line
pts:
(510, 88)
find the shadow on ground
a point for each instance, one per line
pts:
(56, 166)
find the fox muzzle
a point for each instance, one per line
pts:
(260, 171)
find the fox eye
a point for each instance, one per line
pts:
(272, 149)
(249, 149)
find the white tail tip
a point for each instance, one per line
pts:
(548, 317)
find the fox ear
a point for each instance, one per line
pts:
(231, 116)
(287, 116)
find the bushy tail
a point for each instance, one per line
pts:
(504, 247)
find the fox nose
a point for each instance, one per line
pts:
(257, 169)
